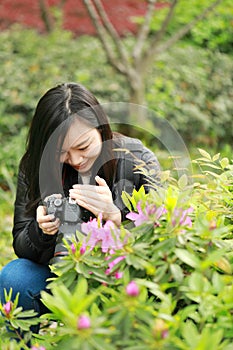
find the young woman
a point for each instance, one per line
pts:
(71, 152)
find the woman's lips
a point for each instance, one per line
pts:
(81, 166)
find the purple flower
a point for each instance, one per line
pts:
(132, 289)
(150, 213)
(83, 322)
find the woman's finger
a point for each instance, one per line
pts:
(100, 181)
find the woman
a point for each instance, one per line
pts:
(71, 152)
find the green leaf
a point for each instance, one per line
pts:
(100, 344)
(82, 287)
(212, 165)
(190, 333)
(126, 198)
(188, 258)
(177, 272)
(204, 153)
(209, 339)
(216, 157)
(224, 163)
(198, 283)
(183, 181)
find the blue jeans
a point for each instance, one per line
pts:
(28, 279)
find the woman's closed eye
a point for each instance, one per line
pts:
(82, 148)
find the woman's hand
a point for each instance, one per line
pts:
(48, 224)
(97, 199)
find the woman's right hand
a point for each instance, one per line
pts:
(46, 222)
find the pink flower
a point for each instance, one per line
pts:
(111, 264)
(7, 308)
(82, 249)
(150, 213)
(106, 236)
(116, 261)
(132, 289)
(118, 275)
(139, 217)
(181, 217)
(83, 322)
(37, 347)
(73, 249)
(164, 334)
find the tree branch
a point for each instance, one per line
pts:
(111, 31)
(157, 49)
(165, 23)
(103, 36)
(143, 31)
(183, 31)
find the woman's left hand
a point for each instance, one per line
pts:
(97, 199)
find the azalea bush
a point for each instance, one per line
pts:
(163, 280)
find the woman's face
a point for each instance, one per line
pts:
(81, 147)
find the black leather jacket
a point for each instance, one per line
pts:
(28, 239)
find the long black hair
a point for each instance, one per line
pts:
(54, 114)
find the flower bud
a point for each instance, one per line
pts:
(7, 308)
(132, 289)
(84, 322)
(73, 249)
(82, 249)
(212, 225)
(118, 275)
(160, 329)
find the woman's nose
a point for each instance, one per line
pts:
(74, 158)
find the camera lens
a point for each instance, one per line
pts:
(58, 202)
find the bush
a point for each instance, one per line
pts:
(163, 283)
(214, 32)
(191, 88)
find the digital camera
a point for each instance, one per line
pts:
(67, 210)
(69, 214)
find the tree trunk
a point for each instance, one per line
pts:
(137, 112)
(46, 15)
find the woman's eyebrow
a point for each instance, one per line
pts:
(81, 143)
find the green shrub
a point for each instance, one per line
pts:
(163, 283)
(192, 88)
(214, 32)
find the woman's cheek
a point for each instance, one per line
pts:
(94, 152)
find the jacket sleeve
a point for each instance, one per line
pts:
(29, 241)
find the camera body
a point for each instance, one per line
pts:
(69, 214)
(67, 210)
